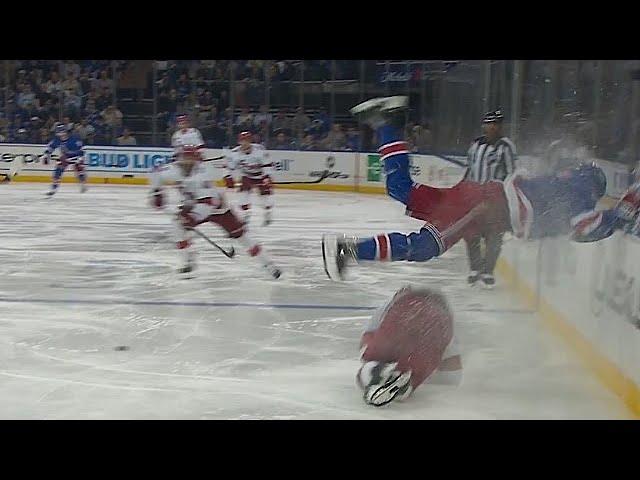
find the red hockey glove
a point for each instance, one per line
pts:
(157, 199)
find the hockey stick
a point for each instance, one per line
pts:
(324, 175)
(229, 254)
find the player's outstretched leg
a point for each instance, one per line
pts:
(236, 229)
(81, 174)
(387, 116)
(339, 251)
(266, 194)
(57, 176)
(245, 198)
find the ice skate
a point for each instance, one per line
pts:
(487, 281)
(396, 387)
(83, 188)
(473, 278)
(379, 111)
(50, 193)
(188, 266)
(337, 252)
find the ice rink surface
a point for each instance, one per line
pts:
(81, 274)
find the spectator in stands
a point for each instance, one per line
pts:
(336, 139)
(281, 123)
(34, 130)
(102, 101)
(126, 138)
(308, 143)
(3, 137)
(191, 106)
(71, 83)
(112, 117)
(84, 129)
(26, 97)
(104, 82)
(263, 118)
(323, 117)
(52, 86)
(22, 136)
(245, 118)
(281, 142)
(85, 83)
(44, 136)
(300, 123)
(206, 101)
(353, 140)
(183, 87)
(71, 68)
(72, 103)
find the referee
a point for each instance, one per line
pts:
(491, 157)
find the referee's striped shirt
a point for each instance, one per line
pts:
(491, 161)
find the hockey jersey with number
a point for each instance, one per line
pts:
(252, 163)
(197, 187)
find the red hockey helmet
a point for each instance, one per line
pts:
(182, 121)
(244, 136)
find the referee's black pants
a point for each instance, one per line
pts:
(484, 261)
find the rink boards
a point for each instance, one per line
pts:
(588, 293)
(347, 171)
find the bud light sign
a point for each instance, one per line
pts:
(129, 160)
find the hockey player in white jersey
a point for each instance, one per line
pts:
(202, 202)
(185, 135)
(250, 160)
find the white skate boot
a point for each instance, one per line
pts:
(337, 252)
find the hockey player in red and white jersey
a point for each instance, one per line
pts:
(409, 341)
(185, 135)
(202, 202)
(250, 159)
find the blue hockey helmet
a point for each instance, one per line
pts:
(593, 174)
(61, 130)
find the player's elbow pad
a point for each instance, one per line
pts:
(594, 226)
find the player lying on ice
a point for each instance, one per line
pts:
(202, 202)
(528, 207)
(409, 341)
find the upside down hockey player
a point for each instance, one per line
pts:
(529, 207)
(202, 202)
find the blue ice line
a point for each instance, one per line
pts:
(185, 304)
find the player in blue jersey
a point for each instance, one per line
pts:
(528, 207)
(71, 153)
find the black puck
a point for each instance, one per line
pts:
(121, 348)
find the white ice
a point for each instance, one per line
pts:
(81, 274)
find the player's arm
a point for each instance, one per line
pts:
(267, 167)
(51, 147)
(593, 226)
(230, 167)
(199, 141)
(157, 179)
(470, 156)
